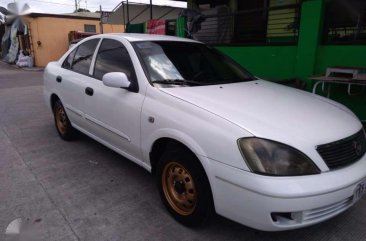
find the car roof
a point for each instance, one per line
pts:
(135, 37)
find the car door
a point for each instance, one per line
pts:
(73, 78)
(113, 114)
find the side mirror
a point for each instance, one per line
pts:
(116, 80)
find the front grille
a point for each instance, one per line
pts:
(343, 152)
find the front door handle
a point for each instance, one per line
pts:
(59, 79)
(89, 91)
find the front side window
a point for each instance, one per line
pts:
(113, 57)
(83, 57)
(189, 63)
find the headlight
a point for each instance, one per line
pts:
(275, 159)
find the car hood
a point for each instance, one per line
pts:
(274, 111)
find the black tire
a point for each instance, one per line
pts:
(203, 204)
(62, 122)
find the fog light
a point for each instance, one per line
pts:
(286, 218)
(278, 217)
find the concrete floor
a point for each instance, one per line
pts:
(83, 191)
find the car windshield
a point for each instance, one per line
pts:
(188, 64)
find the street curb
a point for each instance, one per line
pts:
(33, 69)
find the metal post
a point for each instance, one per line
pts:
(128, 14)
(76, 5)
(101, 19)
(124, 17)
(151, 10)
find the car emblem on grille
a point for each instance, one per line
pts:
(357, 147)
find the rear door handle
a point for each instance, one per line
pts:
(59, 79)
(89, 91)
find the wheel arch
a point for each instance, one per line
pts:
(53, 99)
(174, 139)
(159, 147)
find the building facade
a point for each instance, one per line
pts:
(48, 34)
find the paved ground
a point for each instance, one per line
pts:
(83, 191)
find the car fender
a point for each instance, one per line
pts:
(204, 133)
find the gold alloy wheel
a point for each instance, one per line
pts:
(61, 120)
(179, 189)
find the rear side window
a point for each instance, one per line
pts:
(83, 57)
(113, 57)
(68, 61)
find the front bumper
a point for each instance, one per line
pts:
(283, 203)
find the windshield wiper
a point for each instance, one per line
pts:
(176, 82)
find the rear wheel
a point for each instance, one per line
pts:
(62, 122)
(184, 187)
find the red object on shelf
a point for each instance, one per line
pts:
(156, 26)
(76, 35)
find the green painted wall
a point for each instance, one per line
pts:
(270, 62)
(278, 62)
(340, 55)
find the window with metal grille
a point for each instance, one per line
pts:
(89, 28)
(345, 22)
(252, 22)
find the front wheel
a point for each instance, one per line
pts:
(184, 187)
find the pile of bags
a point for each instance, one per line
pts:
(24, 59)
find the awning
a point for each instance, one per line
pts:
(135, 13)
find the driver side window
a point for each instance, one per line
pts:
(113, 57)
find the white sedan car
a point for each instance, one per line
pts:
(217, 138)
